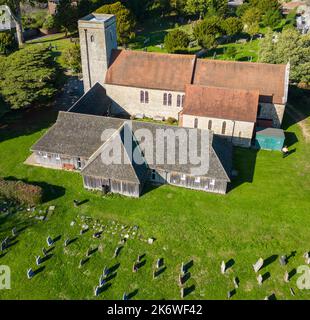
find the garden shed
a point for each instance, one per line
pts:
(269, 138)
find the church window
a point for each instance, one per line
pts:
(142, 96)
(210, 124)
(92, 38)
(224, 127)
(196, 123)
(183, 96)
(165, 99)
(146, 97)
(178, 100)
(169, 99)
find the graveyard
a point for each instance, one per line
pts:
(172, 243)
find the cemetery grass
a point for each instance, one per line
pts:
(263, 218)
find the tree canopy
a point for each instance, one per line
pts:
(176, 41)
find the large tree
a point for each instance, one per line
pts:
(176, 41)
(67, 16)
(28, 77)
(125, 22)
(288, 46)
(208, 27)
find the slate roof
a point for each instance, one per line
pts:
(269, 79)
(150, 70)
(95, 101)
(223, 103)
(270, 132)
(79, 135)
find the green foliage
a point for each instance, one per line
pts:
(208, 41)
(288, 46)
(231, 52)
(71, 57)
(21, 192)
(241, 9)
(29, 77)
(208, 27)
(197, 7)
(265, 5)
(272, 18)
(232, 26)
(50, 23)
(251, 16)
(67, 16)
(176, 41)
(8, 43)
(171, 120)
(34, 20)
(125, 21)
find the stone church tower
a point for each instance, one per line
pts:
(97, 39)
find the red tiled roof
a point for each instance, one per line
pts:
(269, 79)
(223, 103)
(150, 70)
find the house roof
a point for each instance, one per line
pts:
(150, 70)
(80, 135)
(223, 103)
(127, 169)
(269, 79)
(95, 101)
(270, 132)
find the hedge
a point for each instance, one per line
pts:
(21, 192)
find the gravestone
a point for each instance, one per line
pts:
(38, 260)
(101, 281)
(182, 268)
(182, 291)
(14, 232)
(306, 255)
(30, 273)
(229, 294)
(75, 203)
(223, 267)
(292, 292)
(286, 277)
(44, 252)
(236, 282)
(258, 265)
(97, 291)
(282, 260)
(125, 297)
(66, 243)
(159, 263)
(260, 279)
(180, 279)
(134, 267)
(105, 271)
(49, 241)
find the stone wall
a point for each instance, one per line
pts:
(240, 132)
(272, 111)
(127, 100)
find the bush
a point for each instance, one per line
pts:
(34, 20)
(171, 120)
(8, 43)
(72, 58)
(50, 23)
(21, 192)
(207, 29)
(176, 41)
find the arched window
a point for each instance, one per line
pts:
(142, 96)
(210, 124)
(165, 99)
(92, 38)
(196, 123)
(169, 99)
(224, 127)
(178, 100)
(146, 97)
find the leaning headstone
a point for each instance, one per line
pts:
(66, 243)
(236, 282)
(159, 263)
(38, 260)
(292, 292)
(183, 268)
(182, 293)
(134, 267)
(282, 260)
(223, 267)
(286, 277)
(116, 252)
(229, 294)
(30, 273)
(44, 252)
(49, 241)
(260, 279)
(97, 291)
(259, 263)
(14, 232)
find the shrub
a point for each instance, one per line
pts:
(21, 192)
(50, 23)
(171, 120)
(176, 41)
(8, 43)
(34, 20)
(72, 58)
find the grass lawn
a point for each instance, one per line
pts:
(266, 214)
